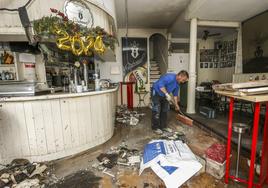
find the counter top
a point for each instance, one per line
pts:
(56, 95)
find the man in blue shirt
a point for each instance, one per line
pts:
(168, 83)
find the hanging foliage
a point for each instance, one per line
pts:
(73, 37)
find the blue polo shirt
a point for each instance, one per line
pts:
(169, 82)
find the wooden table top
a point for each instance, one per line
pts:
(237, 95)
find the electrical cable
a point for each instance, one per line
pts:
(13, 10)
(126, 14)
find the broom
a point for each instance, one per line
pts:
(182, 117)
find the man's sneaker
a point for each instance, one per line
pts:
(158, 131)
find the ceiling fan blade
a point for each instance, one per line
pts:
(214, 34)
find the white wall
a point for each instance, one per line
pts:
(224, 75)
(104, 68)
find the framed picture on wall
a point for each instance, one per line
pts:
(205, 65)
(210, 65)
(134, 56)
(215, 65)
(201, 65)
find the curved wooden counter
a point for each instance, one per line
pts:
(42, 128)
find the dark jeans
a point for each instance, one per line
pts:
(160, 107)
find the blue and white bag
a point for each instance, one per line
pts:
(172, 161)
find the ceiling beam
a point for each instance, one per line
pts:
(209, 23)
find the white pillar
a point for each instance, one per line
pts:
(238, 59)
(192, 68)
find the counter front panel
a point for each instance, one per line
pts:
(52, 128)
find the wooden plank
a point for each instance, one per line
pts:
(29, 119)
(110, 113)
(2, 127)
(22, 129)
(48, 126)
(96, 116)
(259, 83)
(105, 111)
(57, 124)
(65, 118)
(9, 131)
(73, 113)
(82, 103)
(39, 125)
(90, 131)
(236, 86)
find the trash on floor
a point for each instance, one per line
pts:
(20, 173)
(169, 134)
(108, 160)
(127, 117)
(172, 161)
(120, 156)
(31, 183)
(81, 178)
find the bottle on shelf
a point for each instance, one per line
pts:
(2, 58)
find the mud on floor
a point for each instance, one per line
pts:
(82, 175)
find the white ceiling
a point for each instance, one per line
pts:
(226, 10)
(149, 13)
(173, 14)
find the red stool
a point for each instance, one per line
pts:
(129, 93)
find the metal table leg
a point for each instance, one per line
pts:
(264, 158)
(254, 144)
(238, 155)
(229, 139)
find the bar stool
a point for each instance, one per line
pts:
(129, 93)
(239, 128)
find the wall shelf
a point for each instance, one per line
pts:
(7, 65)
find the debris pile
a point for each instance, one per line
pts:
(126, 116)
(169, 134)
(20, 173)
(120, 156)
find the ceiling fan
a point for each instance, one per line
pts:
(206, 34)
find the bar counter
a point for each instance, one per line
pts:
(48, 127)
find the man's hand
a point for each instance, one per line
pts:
(177, 108)
(168, 97)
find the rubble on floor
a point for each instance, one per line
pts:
(126, 116)
(20, 173)
(80, 179)
(129, 141)
(169, 134)
(121, 157)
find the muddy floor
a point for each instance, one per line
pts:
(77, 171)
